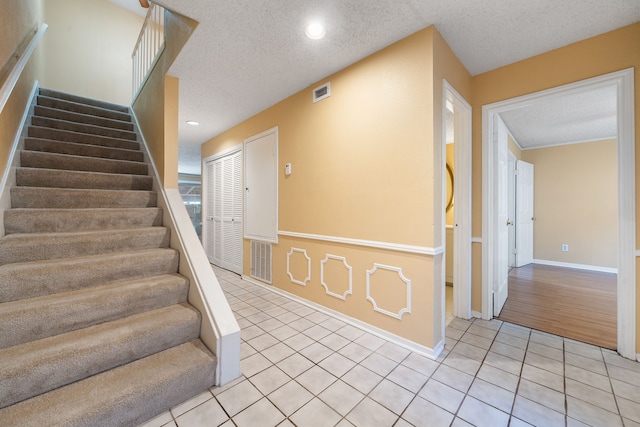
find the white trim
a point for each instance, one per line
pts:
(407, 282)
(578, 266)
(349, 270)
(626, 214)
(626, 290)
(431, 353)
(476, 314)
(422, 250)
(16, 71)
(306, 279)
(13, 161)
(219, 329)
(476, 240)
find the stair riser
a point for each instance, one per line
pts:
(75, 149)
(65, 220)
(81, 118)
(53, 277)
(82, 109)
(30, 320)
(82, 128)
(82, 100)
(91, 351)
(37, 247)
(53, 198)
(35, 159)
(56, 178)
(126, 396)
(81, 138)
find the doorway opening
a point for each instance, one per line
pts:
(494, 199)
(456, 158)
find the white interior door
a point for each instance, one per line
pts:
(524, 213)
(501, 273)
(261, 187)
(223, 216)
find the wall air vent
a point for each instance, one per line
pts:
(322, 92)
(261, 261)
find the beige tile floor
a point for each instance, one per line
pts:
(304, 368)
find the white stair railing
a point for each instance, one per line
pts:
(149, 46)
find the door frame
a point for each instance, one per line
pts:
(626, 287)
(205, 191)
(511, 198)
(462, 196)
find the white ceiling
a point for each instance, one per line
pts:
(247, 55)
(580, 117)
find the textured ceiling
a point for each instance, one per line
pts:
(247, 55)
(586, 116)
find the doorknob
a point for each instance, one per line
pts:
(509, 223)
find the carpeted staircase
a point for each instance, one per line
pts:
(95, 329)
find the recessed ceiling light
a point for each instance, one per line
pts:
(315, 31)
(192, 123)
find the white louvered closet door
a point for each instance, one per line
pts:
(224, 239)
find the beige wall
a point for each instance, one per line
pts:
(576, 203)
(513, 147)
(362, 166)
(18, 20)
(88, 48)
(599, 55)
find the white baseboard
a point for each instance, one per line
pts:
(431, 353)
(476, 314)
(578, 266)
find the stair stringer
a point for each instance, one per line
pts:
(9, 176)
(219, 329)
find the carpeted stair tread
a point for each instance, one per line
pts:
(38, 278)
(124, 396)
(81, 138)
(64, 220)
(42, 111)
(37, 159)
(32, 319)
(59, 178)
(74, 148)
(83, 100)
(39, 366)
(52, 123)
(70, 198)
(76, 107)
(41, 246)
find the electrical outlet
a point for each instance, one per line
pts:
(565, 248)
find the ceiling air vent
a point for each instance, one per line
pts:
(322, 92)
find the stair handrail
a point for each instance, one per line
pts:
(148, 47)
(16, 71)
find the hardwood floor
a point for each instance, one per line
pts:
(576, 304)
